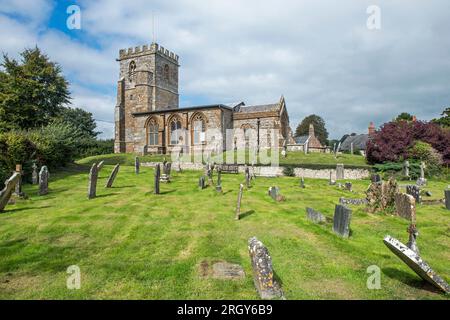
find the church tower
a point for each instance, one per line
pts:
(148, 81)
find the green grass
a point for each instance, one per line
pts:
(132, 244)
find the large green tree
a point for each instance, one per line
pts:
(81, 120)
(404, 116)
(33, 91)
(319, 128)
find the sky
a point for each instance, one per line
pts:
(320, 54)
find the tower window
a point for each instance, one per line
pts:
(175, 131)
(131, 70)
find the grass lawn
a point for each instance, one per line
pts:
(132, 244)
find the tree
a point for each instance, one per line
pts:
(404, 116)
(32, 91)
(444, 121)
(319, 128)
(81, 120)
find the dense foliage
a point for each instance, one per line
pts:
(395, 141)
(319, 128)
(444, 120)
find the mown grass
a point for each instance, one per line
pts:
(132, 244)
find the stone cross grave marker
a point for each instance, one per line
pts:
(422, 181)
(315, 216)
(35, 175)
(406, 168)
(263, 274)
(219, 180)
(405, 206)
(157, 179)
(238, 206)
(5, 194)
(92, 186)
(447, 199)
(341, 221)
(415, 262)
(43, 181)
(414, 191)
(112, 176)
(339, 171)
(137, 165)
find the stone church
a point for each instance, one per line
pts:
(148, 118)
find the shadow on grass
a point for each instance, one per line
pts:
(106, 195)
(246, 214)
(8, 211)
(123, 187)
(167, 192)
(409, 279)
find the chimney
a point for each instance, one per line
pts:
(311, 130)
(371, 128)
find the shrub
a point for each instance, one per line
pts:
(91, 147)
(289, 171)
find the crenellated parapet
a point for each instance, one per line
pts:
(147, 49)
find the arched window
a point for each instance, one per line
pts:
(131, 70)
(175, 131)
(198, 129)
(153, 133)
(166, 72)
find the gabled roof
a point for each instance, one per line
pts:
(301, 139)
(260, 108)
(359, 142)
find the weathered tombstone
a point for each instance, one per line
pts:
(263, 273)
(406, 168)
(375, 178)
(165, 177)
(414, 191)
(415, 262)
(355, 202)
(341, 221)
(339, 171)
(35, 174)
(100, 166)
(112, 176)
(238, 206)
(348, 186)
(219, 180)
(157, 179)
(274, 192)
(92, 186)
(405, 205)
(43, 181)
(422, 181)
(412, 243)
(5, 194)
(381, 196)
(18, 189)
(315, 216)
(201, 183)
(302, 183)
(137, 165)
(331, 181)
(447, 199)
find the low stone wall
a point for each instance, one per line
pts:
(266, 171)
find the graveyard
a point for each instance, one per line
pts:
(131, 242)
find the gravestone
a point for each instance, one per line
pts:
(247, 176)
(406, 169)
(375, 178)
(381, 196)
(414, 191)
(227, 271)
(238, 206)
(157, 179)
(92, 186)
(5, 194)
(166, 167)
(422, 181)
(43, 181)
(274, 192)
(355, 202)
(100, 166)
(315, 216)
(112, 176)
(263, 274)
(137, 165)
(201, 183)
(412, 242)
(35, 175)
(339, 171)
(331, 181)
(219, 180)
(348, 186)
(405, 205)
(447, 199)
(341, 220)
(302, 183)
(18, 189)
(415, 262)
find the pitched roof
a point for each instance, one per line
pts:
(301, 139)
(359, 142)
(260, 108)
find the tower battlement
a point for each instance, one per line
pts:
(147, 49)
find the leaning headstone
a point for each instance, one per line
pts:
(405, 205)
(112, 176)
(339, 171)
(100, 166)
(238, 206)
(348, 186)
(415, 262)
(219, 180)
(5, 194)
(263, 273)
(157, 179)
(447, 199)
(92, 186)
(201, 183)
(18, 190)
(341, 220)
(137, 165)
(35, 174)
(315, 216)
(414, 191)
(43, 181)
(274, 192)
